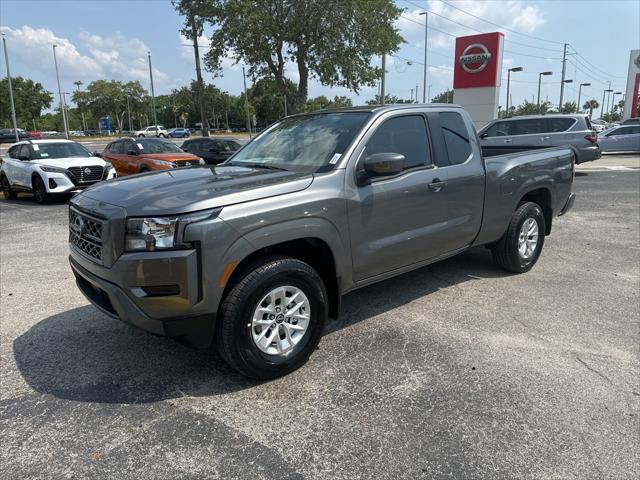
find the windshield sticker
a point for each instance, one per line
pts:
(140, 146)
(35, 146)
(44, 154)
(335, 158)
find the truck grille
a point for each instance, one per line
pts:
(187, 163)
(85, 175)
(86, 234)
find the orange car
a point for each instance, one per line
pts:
(135, 155)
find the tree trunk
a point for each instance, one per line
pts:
(203, 116)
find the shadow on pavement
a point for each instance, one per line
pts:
(82, 355)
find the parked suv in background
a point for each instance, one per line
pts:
(137, 155)
(152, 131)
(530, 132)
(50, 167)
(179, 133)
(7, 135)
(213, 150)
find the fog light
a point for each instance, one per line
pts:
(162, 290)
(52, 183)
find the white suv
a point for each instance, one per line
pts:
(152, 131)
(50, 167)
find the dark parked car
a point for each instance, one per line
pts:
(632, 121)
(212, 150)
(7, 135)
(256, 253)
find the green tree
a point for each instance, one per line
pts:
(444, 97)
(333, 41)
(531, 108)
(30, 99)
(591, 105)
(569, 107)
(388, 99)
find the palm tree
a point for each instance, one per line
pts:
(591, 105)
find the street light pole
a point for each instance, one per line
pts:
(153, 96)
(13, 107)
(64, 114)
(84, 123)
(429, 93)
(424, 75)
(564, 81)
(604, 93)
(514, 69)
(613, 100)
(580, 93)
(539, 84)
(246, 101)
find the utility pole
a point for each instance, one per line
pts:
(246, 102)
(608, 96)
(412, 95)
(429, 93)
(13, 107)
(153, 95)
(64, 114)
(384, 73)
(424, 75)
(84, 123)
(564, 68)
(203, 115)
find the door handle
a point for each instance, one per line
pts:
(545, 138)
(436, 185)
(508, 140)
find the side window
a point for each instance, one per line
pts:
(498, 129)
(635, 129)
(559, 124)
(127, 146)
(529, 126)
(456, 137)
(25, 151)
(620, 131)
(119, 148)
(405, 135)
(13, 151)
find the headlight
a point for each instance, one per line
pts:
(46, 168)
(201, 161)
(163, 162)
(161, 233)
(107, 166)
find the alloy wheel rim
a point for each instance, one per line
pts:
(280, 320)
(528, 238)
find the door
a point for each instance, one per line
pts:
(397, 221)
(529, 133)
(11, 164)
(463, 195)
(22, 173)
(625, 139)
(114, 155)
(496, 139)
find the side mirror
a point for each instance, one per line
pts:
(96, 154)
(484, 135)
(380, 165)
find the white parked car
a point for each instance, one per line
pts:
(152, 131)
(50, 167)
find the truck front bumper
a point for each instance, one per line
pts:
(169, 314)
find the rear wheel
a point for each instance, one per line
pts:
(519, 248)
(141, 136)
(271, 320)
(6, 189)
(144, 168)
(161, 135)
(40, 191)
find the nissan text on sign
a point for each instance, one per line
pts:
(476, 76)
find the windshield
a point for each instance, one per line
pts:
(229, 145)
(150, 145)
(305, 144)
(59, 150)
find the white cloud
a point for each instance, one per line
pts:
(113, 57)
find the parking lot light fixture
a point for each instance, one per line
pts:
(13, 107)
(580, 93)
(613, 100)
(64, 114)
(540, 75)
(604, 93)
(514, 69)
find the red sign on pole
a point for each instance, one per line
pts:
(478, 61)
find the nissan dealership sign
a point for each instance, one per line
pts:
(475, 58)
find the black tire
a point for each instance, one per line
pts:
(161, 135)
(141, 136)
(233, 326)
(144, 169)
(6, 189)
(505, 251)
(40, 191)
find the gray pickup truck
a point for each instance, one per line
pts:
(254, 254)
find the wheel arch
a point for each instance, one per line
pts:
(541, 196)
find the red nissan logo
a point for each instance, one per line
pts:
(475, 58)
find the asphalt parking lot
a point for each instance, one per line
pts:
(458, 370)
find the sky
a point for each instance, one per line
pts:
(110, 40)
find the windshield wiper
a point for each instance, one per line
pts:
(256, 165)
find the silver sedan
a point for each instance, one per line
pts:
(624, 138)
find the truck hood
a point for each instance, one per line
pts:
(70, 162)
(185, 190)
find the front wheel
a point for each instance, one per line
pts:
(6, 189)
(40, 191)
(272, 318)
(519, 248)
(161, 135)
(141, 136)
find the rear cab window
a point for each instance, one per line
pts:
(456, 137)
